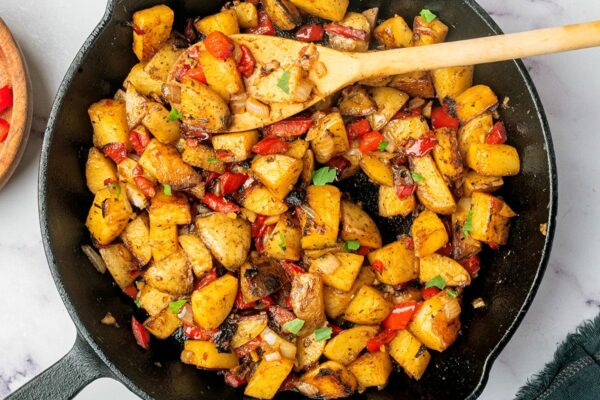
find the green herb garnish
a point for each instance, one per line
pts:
(116, 187)
(282, 242)
(468, 226)
(174, 115)
(175, 306)
(212, 160)
(451, 293)
(416, 177)
(437, 281)
(137, 303)
(284, 82)
(167, 189)
(351, 245)
(323, 176)
(323, 333)
(383, 145)
(427, 15)
(294, 326)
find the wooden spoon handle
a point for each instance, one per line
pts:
(480, 51)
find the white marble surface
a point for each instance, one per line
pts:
(37, 330)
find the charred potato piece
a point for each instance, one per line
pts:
(338, 270)
(308, 167)
(328, 137)
(490, 219)
(372, 369)
(153, 28)
(249, 328)
(394, 32)
(356, 102)
(284, 14)
(436, 323)
(474, 132)
(108, 215)
(297, 149)
(197, 254)
(390, 205)
(410, 354)
(399, 262)
(201, 156)
(204, 354)
(172, 275)
(348, 344)
(136, 237)
(170, 209)
(109, 120)
(449, 83)
(261, 201)
(451, 271)
(268, 377)
(494, 159)
(432, 189)
(474, 101)
(330, 380)
(225, 22)
(212, 303)
(337, 300)
(320, 229)
(98, 169)
(446, 154)
(283, 243)
(368, 307)
(415, 84)
(358, 225)
(475, 182)
(160, 65)
(164, 163)
(260, 281)
(402, 129)
(153, 300)
(238, 143)
(425, 33)
(356, 21)
(227, 239)
(306, 298)
(333, 10)
(136, 106)
(309, 351)
(389, 101)
(158, 123)
(120, 263)
(203, 108)
(429, 233)
(277, 172)
(163, 324)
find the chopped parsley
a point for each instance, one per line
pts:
(416, 177)
(116, 187)
(167, 189)
(324, 175)
(383, 145)
(282, 242)
(451, 293)
(284, 82)
(323, 333)
(427, 15)
(468, 226)
(212, 160)
(351, 245)
(175, 306)
(174, 115)
(437, 282)
(137, 303)
(294, 326)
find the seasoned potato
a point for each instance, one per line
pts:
(347, 345)
(283, 243)
(163, 239)
(452, 272)
(372, 369)
(309, 351)
(389, 101)
(247, 15)
(268, 377)
(203, 108)
(409, 127)
(284, 14)
(330, 380)
(429, 233)
(432, 190)
(222, 76)
(201, 156)
(357, 103)
(158, 123)
(358, 225)
(163, 324)
(170, 209)
(337, 300)
(475, 101)
(306, 298)
(446, 154)
(475, 182)
(143, 82)
(271, 342)
(474, 132)
(436, 323)
(249, 328)
(415, 84)
(321, 229)
(197, 254)
(109, 120)
(136, 237)
(261, 201)
(239, 144)
(343, 276)
(98, 169)
(378, 171)
(368, 307)
(425, 33)
(490, 219)
(172, 275)
(153, 300)
(408, 351)
(160, 65)
(153, 28)
(451, 82)
(494, 159)
(262, 280)
(399, 262)
(109, 215)
(394, 32)
(129, 168)
(225, 22)
(204, 354)
(463, 244)
(164, 163)
(356, 21)
(136, 106)
(119, 263)
(297, 149)
(212, 303)
(333, 10)
(308, 166)
(277, 172)
(328, 137)
(391, 205)
(227, 239)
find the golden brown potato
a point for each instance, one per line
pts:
(277, 172)
(358, 225)
(415, 84)
(408, 351)
(247, 15)
(474, 132)
(212, 303)
(409, 127)
(432, 190)
(225, 22)
(308, 167)
(197, 254)
(204, 354)
(452, 272)
(227, 239)
(377, 170)
(222, 76)
(425, 33)
(268, 377)
(109, 120)
(109, 214)
(463, 244)
(475, 182)
(429, 233)
(389, 101)
(297, 149)
(284, 14)
(399, 262)
(249, 328)
(136, 106)
(328, 137)
(164, 163)
(120, 264)
(163, 239)
(153, 28)
(338, 270)
(333, 10)
(368, 307)
(136, 237)
(203, 108)
(474, 101)
(372, 369)
(153, 300)
(390, 205)
(451, 82)
(320, 228)
(329, 380)
(490, 219)
(436, 323)
(348, 344)
(494, 159)
(283, 243)
(201, 156)
(306, 298)
(161, 63)
(98, 169)
(172, 275)
(170, 209)
(239, 144)
(356, 102)
(337, 300)
(163, 324)
(158, 123)
(261, 201)
(446, 154)
(356, 21)
(309, 351)
(394, 32)
(143, 82)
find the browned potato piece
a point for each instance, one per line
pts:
(409, 127)
(321, 229)
(356, 21)
(408, 351)
(452, 272)
(203, 108)
(377, 170)
(446, 154)
(204, 354)
(348, 344)
(201, 156)
(428, 233)
(436, 323)
(163, 239)
(297, 149)
(309, 351)
(451, 82)
(337, 300)
(119, 263)
(394, 32)
(399, 262)
(284, 14)
(330, 380)
(260, 200)
(98, 168)
(415, 84)
(143, 82)
(238, 143)
(308, 166)
(247, 15)
(328, 137)
(164, 163)
(425, 33)
(474, 132)
(158, 123)
(163, 324)
(109, 215)
(463, 244)
(170, 209)
(306, 298)
(212, 303)
(389, 101)
(136, 106)
(153, 300)
(333, 10)
(225, 22)
(268, 377)
(481, 183)
(197, 254)
(227, 239)
(390, 205)
(490, 219)
(283, 243)
(338, 270)
(358, 225)
(153, 28)
(222, 76)
(372, 369)
(172, 275)
(249, 328)
(432, 190)
(356, 102)
(136, 237)
(277, 172)
(474, 101)
(368, 307)
(160, 65)
(109, 120)
(260, 281)
(494, 159)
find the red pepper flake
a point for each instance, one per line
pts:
(142, 337)
(219, 204)
(422, 146)
(310, 33)
(497, 134)
(219, 45)
(441, 118)
(410, 244)
(265, 25)
(271, 145)
(197, 333)
(377, 266)
(6, 98)
(4, 128)
(346, 31)
(131, 291)
(116, 151)
(139, 141)
(429, 292)
(291, 127)
(247, 61)
(358, 128)
(382, 339)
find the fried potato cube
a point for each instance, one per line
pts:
(212, 303)
(204, 354)
(399, 262)
(152, 28)
(429, 233)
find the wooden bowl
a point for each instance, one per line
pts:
(13, 72)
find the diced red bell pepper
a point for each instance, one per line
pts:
(257, 225)
(197, 333)
(429, 292)
(271, 145)
(497, 134)
(145, 185)
(6, 98)
(369, 142)
(139, 140)
(219, 204)
(280, 315)
(206, 279)
(441, 118)
(219, 45)
(446, 250)
(494, 245)
(403, 181)
(291, 127)
(259, 242)
(248, 347)
(116, 151)
(346, 31)
(400, 316)
(339, 163)
(135, 273)
(233, 380)
(334, 329)
(221, 154)
(472, 265)
(410, 244)
(4, 128)
(241, 304)
(211, 177)
(310, 33)
(196, 74)
(131, 291)
(422, 146)
(267, 301)
(363, 251)
(358, 128)
(142, 337)
(288, 302)
(247, 61)
(382, 339)
(377, 266)
(292, 269)
(231, 182)
(265, 25)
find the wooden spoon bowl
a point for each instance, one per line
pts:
(13, 72)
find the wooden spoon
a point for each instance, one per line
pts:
(344, 68)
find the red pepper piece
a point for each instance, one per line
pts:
(145, 185)
(197, 333)
(248, 347)
(219, 45)
(472, 265)
(241, 304)
(142, 337)
(219, 204)
(339, 163)
(377, 266)
(358, 128)
(259, 242)
(265, 25)
(247, 61)
(256, 226)
(206, 279)
(267, 301)
(4, 128)
(288, 302)
(497, 134)
(211, 177)
(310, 33)
(494, 245)
(292, 269)
(446, 250)
(271, 145)
(369, 142)
(441, 118)
(410, 244)
(346, 31)
(363, 251)
(400, 316)
(291, 127)
(116, 151)
(139, 141)
(196, 74)
(382, 339)
(231, 182)
(334, 329)
(422, 146)
(428, 293)
(6, 98)
(131, 291)
(403, 181)
(233, 380)
(221, 154)
(280, 315)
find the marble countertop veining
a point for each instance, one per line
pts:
(37, 329)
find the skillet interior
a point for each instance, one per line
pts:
(507, 283)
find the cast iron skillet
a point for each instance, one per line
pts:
(508, 282)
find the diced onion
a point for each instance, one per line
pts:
(269, 336)
(237, 103)
(452, 310)
(287, 349)
(478, 303)
(172, 93)
(272, 356)
(186, 314)
(329, 263)
(255, 107)
(303, 90)
(307, 389)
(94, 258)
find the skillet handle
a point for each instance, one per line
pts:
(67, 377)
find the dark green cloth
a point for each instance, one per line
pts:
(574, 374)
